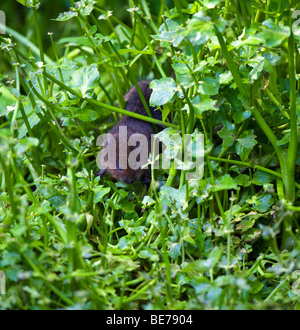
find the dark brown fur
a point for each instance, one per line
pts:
(134, 104)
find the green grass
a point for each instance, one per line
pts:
(70, 240)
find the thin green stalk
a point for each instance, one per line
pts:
(146, 38)
(145, 8)
(172, 175)
(14, 118)
(293, 143)
(40, 43)
(216, 193)
(26, 43)
(165, 256)
(9, 187)
(140, 291)
(276, 289)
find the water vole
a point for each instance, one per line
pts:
(126, 167)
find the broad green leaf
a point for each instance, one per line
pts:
(175, 250)
(243, 180)
(85, 79)
(225, 78)
(208, 86)
(245, 144)
(273, 34)
(204, 103)
(183, 74)
(225, 182)
(263, 202)
(227, 134)
(163, 91)
(249, 40)
(260, 178)
(87, 115)
(259, 64)
(99, 192)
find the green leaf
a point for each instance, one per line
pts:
(30, 3)
(134, 52)
(183, 74)
(243, 180)
(273, 35)
(205, 265)
(200, 29)
(99, 193)
(225, 182)
(284, 140)
(210, 4)
(87, 115)
(259, 64)
(62, 17)
(174, 251)
(209, 86)
(85, 79)
(85, 7)
(263, 202)
(33, 120)
(225, 78)
(7, 100)
(204, 103)
(256, 287)
(126, 205)
(163, 91)
(245, 144)
(260, 178)
(227, 134)
(252, 235)
(147, 253)
(245, 225)
(249, 40)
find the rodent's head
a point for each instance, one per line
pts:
(115, 165)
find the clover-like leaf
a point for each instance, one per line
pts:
(85, 79)
(163, 91)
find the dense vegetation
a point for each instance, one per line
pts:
(227, 69)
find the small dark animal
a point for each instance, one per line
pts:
(134, 104)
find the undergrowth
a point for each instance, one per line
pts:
(70, 240)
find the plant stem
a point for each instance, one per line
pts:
(293, 143)
(40, 44)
